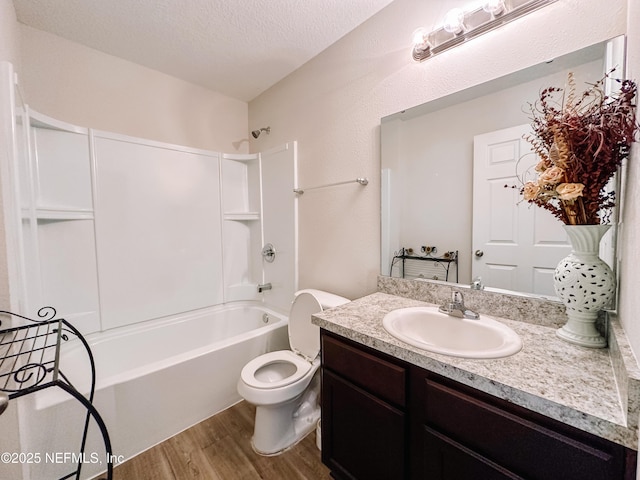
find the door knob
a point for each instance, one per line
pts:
(479, 253)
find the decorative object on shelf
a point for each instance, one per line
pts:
(460, 26)
(581, 141)
(585, 284)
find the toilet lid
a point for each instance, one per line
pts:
(298, 365)
(304, 337)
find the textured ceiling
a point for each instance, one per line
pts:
(236, 47)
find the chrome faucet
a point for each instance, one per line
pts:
(456, 307)
(264, 286)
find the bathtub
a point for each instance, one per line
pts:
(154, 379)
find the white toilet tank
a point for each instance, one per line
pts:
(304, 337)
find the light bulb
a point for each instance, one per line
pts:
(420, 38)
(454, 21)
(494, 7)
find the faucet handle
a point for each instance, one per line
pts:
(476, 284)
(456, 297)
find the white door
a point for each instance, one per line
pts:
(516, 246)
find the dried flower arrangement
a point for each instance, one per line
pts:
(580, 142)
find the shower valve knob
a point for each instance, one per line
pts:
(269, 253)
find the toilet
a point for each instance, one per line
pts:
(285, 385)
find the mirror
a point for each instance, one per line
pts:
(428, 177)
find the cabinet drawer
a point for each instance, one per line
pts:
(385, 379)
(535, 450)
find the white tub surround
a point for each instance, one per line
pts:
(112, 230)
(600, 396)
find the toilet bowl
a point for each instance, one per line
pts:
(285, 385)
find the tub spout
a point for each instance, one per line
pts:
(264, 286)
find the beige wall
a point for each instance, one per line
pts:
(9, 34)
(85, 87)
(333, 104)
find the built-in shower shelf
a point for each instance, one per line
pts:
(242, 216)
(59, 214)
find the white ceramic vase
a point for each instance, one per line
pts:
(585, 284)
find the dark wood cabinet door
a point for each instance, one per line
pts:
(445, 459)
(362, 437)
(520, 441)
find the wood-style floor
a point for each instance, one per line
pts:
(219, 448)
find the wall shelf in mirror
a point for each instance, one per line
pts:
(429, 267)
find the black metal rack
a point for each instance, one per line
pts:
(30, 362)
(444, 262)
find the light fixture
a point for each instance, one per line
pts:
(460, 26)
(494, 7)
(454, 21)
(421, 40)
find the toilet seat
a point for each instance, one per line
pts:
(304, 336)
(287, 357)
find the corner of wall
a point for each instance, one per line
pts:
(9, 34)
(629, 302)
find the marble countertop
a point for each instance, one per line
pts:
(578, 386)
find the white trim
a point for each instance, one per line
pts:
(8, 176)
(240, 156)
(40, 120)
(153, 143)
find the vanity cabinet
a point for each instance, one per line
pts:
(383, 418)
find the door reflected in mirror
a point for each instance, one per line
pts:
(521, 245)
(445, 166)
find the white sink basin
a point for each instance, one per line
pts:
(429, 329)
